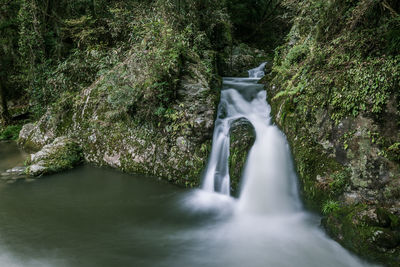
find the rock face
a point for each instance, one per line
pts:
(149, 104)
(242, 58)
(34, 136)
(176, 151)
(62, 154)
(337, 100)
(341, 163)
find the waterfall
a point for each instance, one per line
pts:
(268, 182)
(266, 226)
(257, 72)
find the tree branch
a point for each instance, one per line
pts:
(392, 11)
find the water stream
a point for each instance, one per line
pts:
(98, 217)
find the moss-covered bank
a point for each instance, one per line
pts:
(334, 91)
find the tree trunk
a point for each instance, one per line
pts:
(93, 8)
(4, 114)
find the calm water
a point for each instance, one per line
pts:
(97, 217)
(90, 217)
(10, 156)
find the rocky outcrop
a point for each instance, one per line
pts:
(148, 102)
(60, 155)
(242, 137)
(176, 150)
(334, 92)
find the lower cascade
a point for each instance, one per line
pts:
(268, 214)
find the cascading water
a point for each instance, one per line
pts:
(269, 182)
(240, 98)
(266, 226)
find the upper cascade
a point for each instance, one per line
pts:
(257, 72)
(268, 178)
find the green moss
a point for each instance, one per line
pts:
(62, 109)
(394, 151)
(146, 150)
(312, 162)
(362, 236)
(10, 132)
(30, 146)
(65, 158)
(58, 157)
(296, 54)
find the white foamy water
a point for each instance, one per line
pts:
(269, 182)
(8, 259)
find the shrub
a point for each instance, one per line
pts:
(297, 54)
(330, 206)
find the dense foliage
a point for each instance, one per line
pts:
(50, 48)
(345, 56)
(261, 23)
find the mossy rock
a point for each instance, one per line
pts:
(367, 231)
(62, 154)
(242, 137)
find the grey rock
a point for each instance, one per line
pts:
(36, 169)
(26, 131)
(181, 143)
(175, 151)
